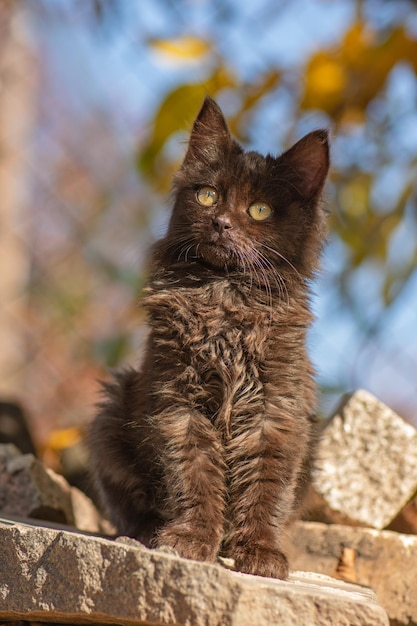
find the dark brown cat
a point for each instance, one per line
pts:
(208, 447)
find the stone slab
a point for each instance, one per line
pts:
(384, 560)
(366, 468)
(54, 576)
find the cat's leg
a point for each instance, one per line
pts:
(192, 456)
(264, 459)
(123, 468)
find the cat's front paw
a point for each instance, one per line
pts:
(187, 544)
(261, 562)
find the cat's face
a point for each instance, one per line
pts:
(237, 210)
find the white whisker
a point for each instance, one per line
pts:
(281, 256)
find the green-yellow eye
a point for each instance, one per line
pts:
(207, 196)
(260, 211)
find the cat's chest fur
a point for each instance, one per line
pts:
(217, 341)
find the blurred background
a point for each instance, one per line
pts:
(96, 99)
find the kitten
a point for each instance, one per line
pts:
(208, 447)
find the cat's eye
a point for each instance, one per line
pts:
(207, 196)
(260, 211)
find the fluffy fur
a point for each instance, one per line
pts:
(207, 448)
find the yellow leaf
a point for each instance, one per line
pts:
(325, 82)
(352, 115)
(327, 77)
(63, 438)
(357, 41)
(354, 197)
(181, 49)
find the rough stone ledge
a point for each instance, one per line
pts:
(49, 575)
(385, 561)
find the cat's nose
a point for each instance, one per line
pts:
(221, 223)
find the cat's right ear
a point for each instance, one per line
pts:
(210, 136)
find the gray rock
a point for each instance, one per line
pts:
(384, 560)
(86, 516)
(367, 463)
(50, 575)
(29, 489)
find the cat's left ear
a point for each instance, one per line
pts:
(307, 164)
(210, 135)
